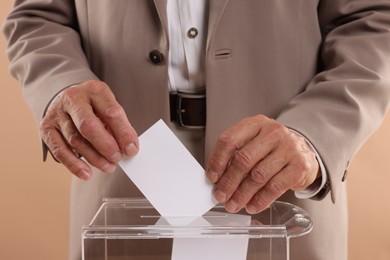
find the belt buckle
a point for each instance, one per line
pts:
(180, 111)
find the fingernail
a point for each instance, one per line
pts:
(251, 209)
(116, 157)
(131, 150)
(213, 176)
(220, 195)
(109, 168)
(84, 175)
(231, 206)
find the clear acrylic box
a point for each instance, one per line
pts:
(132, 229)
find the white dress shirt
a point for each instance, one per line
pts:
(187, 25)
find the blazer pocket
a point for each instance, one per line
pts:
(223, 54)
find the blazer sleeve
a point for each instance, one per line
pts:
(349, 97)
(44, 49)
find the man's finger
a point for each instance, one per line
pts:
(114, 117)
(89, 125)
(257, 178)
(61, 152)
(80, 145)
(228, 143)
(275, 187)
(241, 164)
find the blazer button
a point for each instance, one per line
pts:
(156, 57)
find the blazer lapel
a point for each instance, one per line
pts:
(161, 6)
(216, 8)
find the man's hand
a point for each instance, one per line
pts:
(86, 120)
(256, 161)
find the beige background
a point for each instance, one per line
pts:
(34, 195)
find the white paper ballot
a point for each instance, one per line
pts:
(233, 248)
(168, 175)
(193, 240)
(213, 247)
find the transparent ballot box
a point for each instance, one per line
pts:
(132, 229)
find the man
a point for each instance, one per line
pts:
(293, 88)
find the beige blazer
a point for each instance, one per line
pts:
(319, 67)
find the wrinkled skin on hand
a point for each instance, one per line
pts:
(86, 120)
(256, 161)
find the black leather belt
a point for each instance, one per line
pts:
(188, 110)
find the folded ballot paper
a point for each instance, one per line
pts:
(176, 185)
